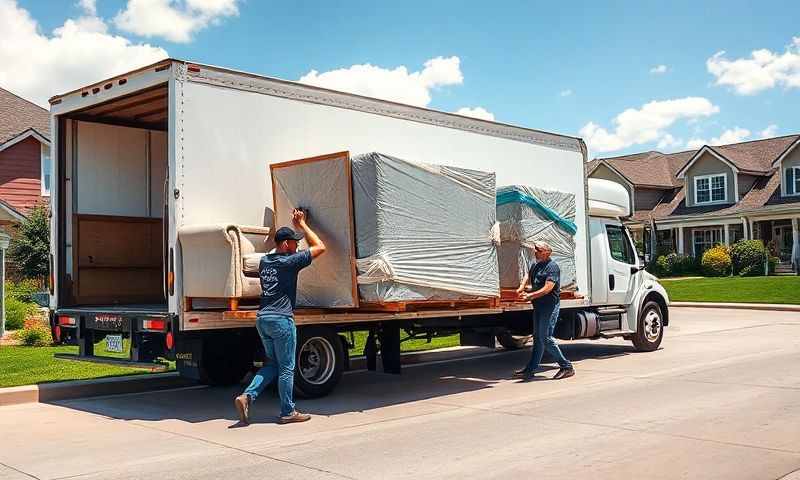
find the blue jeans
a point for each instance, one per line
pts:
(279, 336)
(544, 324)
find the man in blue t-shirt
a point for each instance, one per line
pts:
(275, 320)
(545, 281)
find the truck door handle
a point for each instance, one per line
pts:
(611, 282)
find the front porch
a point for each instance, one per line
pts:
(781, 235)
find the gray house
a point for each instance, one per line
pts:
(717, 194)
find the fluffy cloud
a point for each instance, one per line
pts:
(762, 70)
(174, 20)
(565, 93)
(477, 112)
(732, 135)
(668, 142)
(770, 131)
(645, 124)
(397, 84)
(659, 70)
(78, 52)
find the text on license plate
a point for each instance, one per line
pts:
(114, 343)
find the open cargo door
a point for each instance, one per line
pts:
(322, 186)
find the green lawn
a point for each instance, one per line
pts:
(782, 289)
(407, 346)
(21, 365)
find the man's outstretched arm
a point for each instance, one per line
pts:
(315, 246)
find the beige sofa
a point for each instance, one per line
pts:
(221, 262)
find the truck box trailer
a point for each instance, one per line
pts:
(144, 162)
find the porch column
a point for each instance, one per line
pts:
(727, 234)
(745, 230)
(752, 230)
(680, 240)
(795, 258)
(4, 239)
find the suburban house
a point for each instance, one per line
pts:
(717, 194)
(25, 163)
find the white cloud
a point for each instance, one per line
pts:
(668, 142)
(174, 20)
(764, 69)
(477, 112)
(659, 70)
(770, 131)
(566, 93)
(731, 135)
(88, 6)
(646, 124)
(397, 84)
(79, 52)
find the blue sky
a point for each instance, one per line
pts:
(566, 69)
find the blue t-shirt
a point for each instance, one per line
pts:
(278, 272)
(539, 274)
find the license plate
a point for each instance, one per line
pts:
(114, 343)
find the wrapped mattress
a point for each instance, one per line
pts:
(529, 214)
(423, 232)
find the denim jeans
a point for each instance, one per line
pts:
(545, 317)
(279, 336)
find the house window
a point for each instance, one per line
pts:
(703, 239)
(710, 188)
(793, 181)
(47, 170)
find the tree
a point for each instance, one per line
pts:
(30, 247)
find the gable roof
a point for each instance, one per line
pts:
(18, 115)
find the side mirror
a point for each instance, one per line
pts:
(636, 269)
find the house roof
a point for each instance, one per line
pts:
(655, 169)
(18, 115)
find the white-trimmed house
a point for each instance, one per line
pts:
(717, 194)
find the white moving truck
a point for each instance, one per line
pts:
(141, 157)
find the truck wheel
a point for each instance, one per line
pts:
(320, 361)
(223, 360)
(650, 330)
(512, 342)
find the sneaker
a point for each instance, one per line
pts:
(521, 372)
(564, 373)
(242, 403)
(294, 417)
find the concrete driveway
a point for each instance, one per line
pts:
(721, 399)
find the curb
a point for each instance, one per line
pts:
(48, 392)
(772, 307)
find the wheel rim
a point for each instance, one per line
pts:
(317, 360)
(652, 325)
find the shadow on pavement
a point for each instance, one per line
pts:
(358, 391)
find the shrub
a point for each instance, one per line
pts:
(748, 258)
(30, 247)
(35, 333)
(661, 267)
(22, 290)
(716, 261)
(17, 312)
(674, 264)
(772, 264)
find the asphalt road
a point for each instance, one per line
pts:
(721, 399)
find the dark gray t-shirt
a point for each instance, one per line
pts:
(539, 274)
(278, 272)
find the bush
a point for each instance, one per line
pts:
(30, 247)
(17, 312)
(772, 264)
(748, 258)
(35, 333)
(22, 290)
(716, 261)
(675, 264)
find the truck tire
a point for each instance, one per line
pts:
(650, 330)
(223, 360)
(320, 361)
(512, 342)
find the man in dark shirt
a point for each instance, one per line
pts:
(545, 280)
(275, 319)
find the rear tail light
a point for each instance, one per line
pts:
(51, 276)
(169, 341)
(66, 321)
(154, 324)
(57, 334)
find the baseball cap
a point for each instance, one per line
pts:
(286, 233)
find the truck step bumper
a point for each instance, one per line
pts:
(153, 367)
